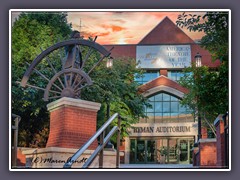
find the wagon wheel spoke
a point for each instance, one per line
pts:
(60, 81)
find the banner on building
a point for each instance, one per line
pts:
(164, 56)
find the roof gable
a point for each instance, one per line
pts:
(166, 32)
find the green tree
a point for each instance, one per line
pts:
(30, 33)
(116, 89)
(208, 88)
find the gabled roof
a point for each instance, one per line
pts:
(162, 81)
(166, 32)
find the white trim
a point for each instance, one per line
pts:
(163, 88)
(207, 140)
(65, 101)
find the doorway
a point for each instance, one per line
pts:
(142, 151)
(161, 150)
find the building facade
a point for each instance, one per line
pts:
(170, 131)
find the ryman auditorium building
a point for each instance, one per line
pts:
(170, 131)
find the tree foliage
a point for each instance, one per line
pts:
(208, 88)
(114, 88)
(30, 33)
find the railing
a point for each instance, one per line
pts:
(226, 136)
(17, 119)
(99, 149)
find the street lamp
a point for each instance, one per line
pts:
(109, 62)
(109, 65)
(198, 61)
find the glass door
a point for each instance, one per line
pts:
(185, 146)
(150, 151)
(172, 151)
(141, 152)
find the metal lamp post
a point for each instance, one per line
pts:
(198, 60)
(109, 65)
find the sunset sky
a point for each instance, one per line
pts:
(120, 27)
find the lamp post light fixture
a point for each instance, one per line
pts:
(109, 65)
(109, 62)
(198, 60)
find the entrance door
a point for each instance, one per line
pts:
(145, 151)
(150, 153)
(141, 151)
(172, 151)
(185, 145)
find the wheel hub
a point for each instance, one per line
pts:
(68, 92)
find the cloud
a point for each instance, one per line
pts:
(114, 28)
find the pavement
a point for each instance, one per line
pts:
(157, 166)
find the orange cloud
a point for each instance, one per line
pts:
(114, 28)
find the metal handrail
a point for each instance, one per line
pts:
(103, 142)
(17, 119)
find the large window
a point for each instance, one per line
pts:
(166, 108)
(147, 76)
(175, 75)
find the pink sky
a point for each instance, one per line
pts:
(120, 27)
(127, 27)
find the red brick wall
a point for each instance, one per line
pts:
(220, 143)
(21, 158)
(208, 156)
(163, 72)
(204, 133)
(71, 127)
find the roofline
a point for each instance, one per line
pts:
(153, 28)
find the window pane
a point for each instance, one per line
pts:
(173, 98)
(148, 76)
(182, 109)
(166, 97)
(166, 106)
(158, 97)
(174, 107)
(151, 109)
(151, 98)
(158, 107)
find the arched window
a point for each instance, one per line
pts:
(166, 108)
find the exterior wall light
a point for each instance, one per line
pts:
(198, 60)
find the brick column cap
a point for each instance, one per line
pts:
(65, 101)
(207, 140)
(218, 119)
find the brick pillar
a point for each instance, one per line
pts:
(72, 122)
(207, 150)
(219, 124)
(204, 133)
(163, 72)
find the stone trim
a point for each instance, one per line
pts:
(217, 120)
(207, 140)
(65, 101)
(163, 88)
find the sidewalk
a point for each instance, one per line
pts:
(157, 166)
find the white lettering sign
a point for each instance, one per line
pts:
(164, 56)
(163, 129)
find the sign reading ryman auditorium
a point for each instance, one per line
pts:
(164, 129)
(164, 56)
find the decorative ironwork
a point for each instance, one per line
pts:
(67, 76)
